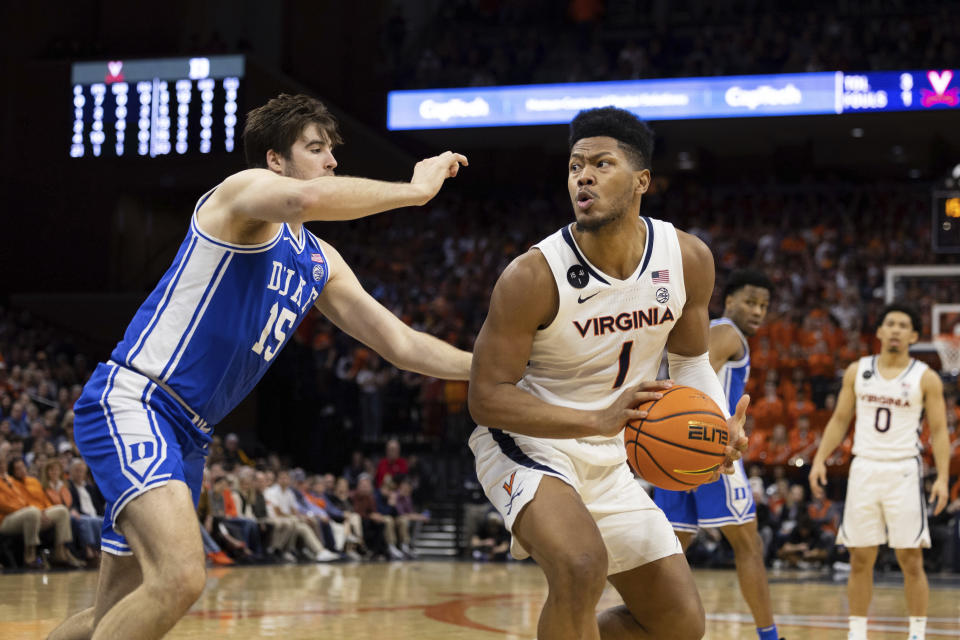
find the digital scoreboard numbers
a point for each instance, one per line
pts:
(897, 91)
(157, 107)
(946, 221)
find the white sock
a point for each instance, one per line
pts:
(858, 628)
(918, 627)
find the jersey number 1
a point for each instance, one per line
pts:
(624, 363)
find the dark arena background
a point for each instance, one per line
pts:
(817, 142)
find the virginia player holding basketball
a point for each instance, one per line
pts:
(245, 276)
(885, 502)
(575, 326)
(728, 502)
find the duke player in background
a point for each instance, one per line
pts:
(885, 503)
(246, 274)
(574, 335)
(728, 503)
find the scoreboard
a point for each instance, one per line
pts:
(782, 94)
(155, 107)
(946, 221)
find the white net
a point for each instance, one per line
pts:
(948, 348)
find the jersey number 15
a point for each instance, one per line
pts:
(279, 325)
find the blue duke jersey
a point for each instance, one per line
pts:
(195, 348)
(220, 314)
(729, 500)
(734, 373)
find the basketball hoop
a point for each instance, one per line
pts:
(948, 348)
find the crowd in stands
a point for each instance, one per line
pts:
(823, 245)
(496, 42)
(259, 511)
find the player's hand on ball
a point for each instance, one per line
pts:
(939, 495)
(431, 172)
(818, 478)
(614, 418)
(737, 442)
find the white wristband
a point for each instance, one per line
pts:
(696, 372)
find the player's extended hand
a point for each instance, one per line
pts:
(939, 495)
(818, 478)
(736, 442)
(614, 418)
(430, 173)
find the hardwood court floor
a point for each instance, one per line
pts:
(427, 600)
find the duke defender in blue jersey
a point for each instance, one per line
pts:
(246, 274)
(728, 502)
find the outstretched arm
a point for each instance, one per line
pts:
(260, 195)
(345, 302)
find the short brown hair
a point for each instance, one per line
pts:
(277, 125)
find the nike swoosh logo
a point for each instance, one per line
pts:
(581, 299)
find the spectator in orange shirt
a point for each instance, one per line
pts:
(825, 514)
(793, 243)
(769, 410)
(86, 529)
(801, 407)
(778, 447)
(762, 358)
(782, 332)
(803, 441)
(821, 362)
(851, 350)
(794, 359)
(757, 442)
(26, 510)
(794, 385)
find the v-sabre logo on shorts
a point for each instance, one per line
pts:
(513, 493)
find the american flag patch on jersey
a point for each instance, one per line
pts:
(661, 277)
(317, 257)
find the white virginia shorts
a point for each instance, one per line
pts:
(885, 505)
(634, 530)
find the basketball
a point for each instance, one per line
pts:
(680, 443)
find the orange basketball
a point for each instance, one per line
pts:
(680, 443)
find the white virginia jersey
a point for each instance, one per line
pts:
(888, 411)
(608, 334)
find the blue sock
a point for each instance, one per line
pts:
(768, 633)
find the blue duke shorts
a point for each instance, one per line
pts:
(727, 501)
(134, 437)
